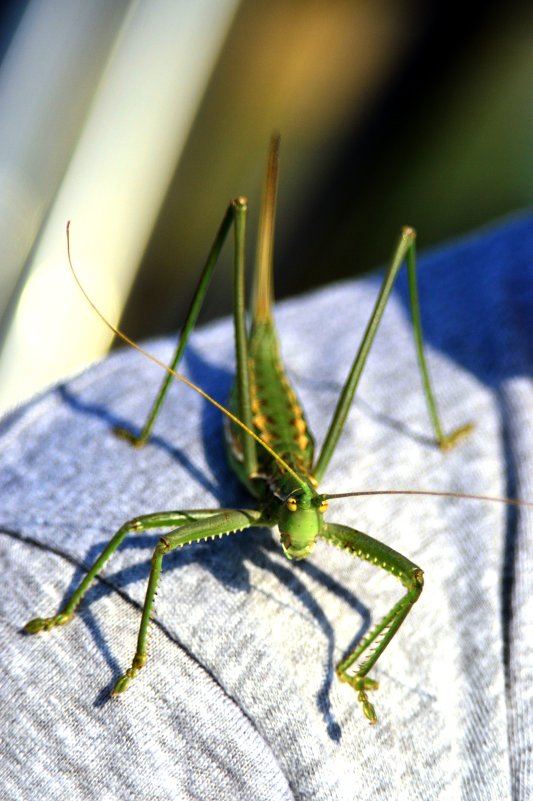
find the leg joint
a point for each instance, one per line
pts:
(418, 578)
(414, 584)
(163, 547)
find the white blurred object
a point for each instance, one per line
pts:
(138, 90)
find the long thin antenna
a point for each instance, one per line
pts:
(125, 338)
(461, 495)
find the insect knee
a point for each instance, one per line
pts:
(162, 547)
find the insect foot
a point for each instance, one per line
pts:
(39, 624)
(361, 684)
(139, 661)
(450, 441)
(129, 436)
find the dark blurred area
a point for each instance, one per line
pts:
(390, 113)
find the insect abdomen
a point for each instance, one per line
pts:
(277, 414)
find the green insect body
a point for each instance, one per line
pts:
(271, 449)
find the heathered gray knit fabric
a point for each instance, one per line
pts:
(239, 700)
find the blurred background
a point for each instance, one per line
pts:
(139, 121)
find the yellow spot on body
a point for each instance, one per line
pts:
(260, 422)
(299, 425)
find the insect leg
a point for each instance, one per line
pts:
(405, 249)
(227, 522)
(242, 378)
(412, 578)
(190, 321)
(445, 441)
(135, 526)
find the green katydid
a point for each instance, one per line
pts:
(270, 447)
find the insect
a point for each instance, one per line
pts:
(271, 449)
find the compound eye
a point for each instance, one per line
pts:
(292, 506)
(324, 506)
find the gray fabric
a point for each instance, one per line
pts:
(239, 699)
